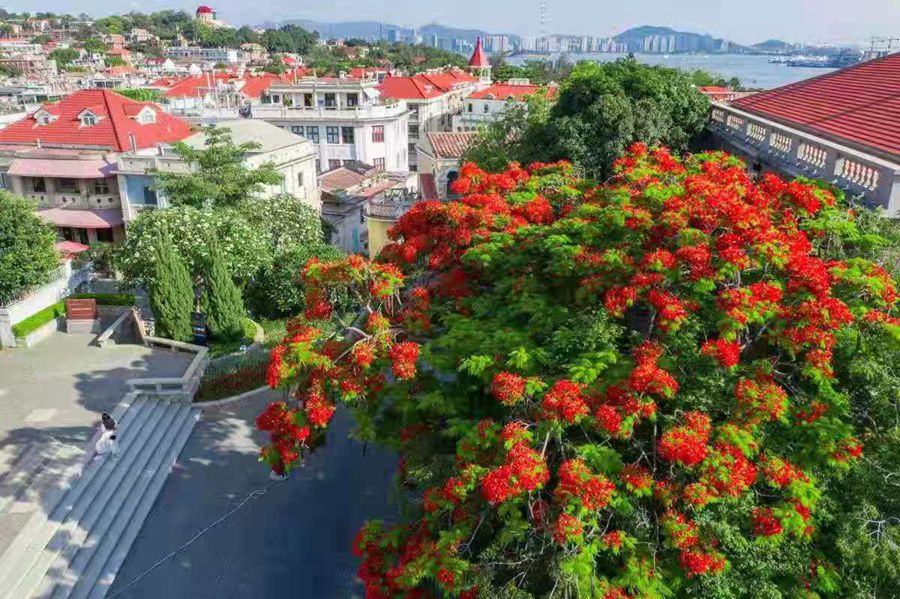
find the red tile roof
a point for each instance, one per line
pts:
(424, 85)
(504, 91)
(450, 145)
(478, 57)
(204, 10)
(106, 218)
(859, 105)
(115, 124)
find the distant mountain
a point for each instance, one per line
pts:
(775, 47)
(665, 40)
(375, 30)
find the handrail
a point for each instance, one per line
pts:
(184, 386)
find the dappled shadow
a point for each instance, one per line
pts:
(291, 539)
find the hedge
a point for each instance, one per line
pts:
(232, 375)
(39, 319)
(107, 299)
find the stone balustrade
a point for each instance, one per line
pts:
(874, 180)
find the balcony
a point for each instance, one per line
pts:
(800, 154)
(387, 209)
(318, 114)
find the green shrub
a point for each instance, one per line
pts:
(39, 319)
(107, 299)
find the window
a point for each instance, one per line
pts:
(150, 198)
(470, 107)
(414, 130)
(298, 129)
(333, 163)
(308, 100)
(88, 119)
(104, 235)
(147, 117)
(299, 179)
(331, 135)
(38, 185)
(330, 101)
(347, 135)
(101, 187)
(486, 108)
(276, 98)
(352, 100)
(379, 163)
(362, 216)
(312, 134)
(68, 185)
(378, 133)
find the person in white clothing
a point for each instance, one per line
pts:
(107, 444)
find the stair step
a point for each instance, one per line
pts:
(32, 563)
(103, 573)
(17, 561)
(116, 501)
(22, 474)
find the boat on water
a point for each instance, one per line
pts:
(844, 58)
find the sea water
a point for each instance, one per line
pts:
(754, 71)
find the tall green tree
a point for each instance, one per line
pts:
(218, 175)
(171, 292)
(27, 247)
(601, 109)
(221, 300)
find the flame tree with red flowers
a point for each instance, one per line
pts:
(637, 389)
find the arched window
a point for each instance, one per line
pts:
(451, 177)
(88, 119)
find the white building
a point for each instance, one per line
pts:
(489, 104)
(344, 118)
(433, 98)
(292, 156)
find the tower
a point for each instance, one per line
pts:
(479, 66)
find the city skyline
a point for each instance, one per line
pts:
(825, 21)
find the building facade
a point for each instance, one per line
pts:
(838, 127)
(63, 156)
(345, 119)
(433, 98)
(292, 156)
(489, 104)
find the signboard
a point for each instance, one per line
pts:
(198, 324)
(81, 309)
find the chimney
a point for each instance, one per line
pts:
(132, 141)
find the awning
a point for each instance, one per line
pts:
(427, 187)
(91, 168)
(71, 247)
(83, 219)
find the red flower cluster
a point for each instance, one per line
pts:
(765, 523)
(726, 353)
(403, 359)
(507, 388)
(524, 470)
(564, 401)
(686, 444)
(647, 377)
(567, 528)
(577, 482)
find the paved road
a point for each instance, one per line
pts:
(292, 541)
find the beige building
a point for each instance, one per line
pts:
(439, 156)
(292, 156)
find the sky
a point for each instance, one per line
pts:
(741, 21)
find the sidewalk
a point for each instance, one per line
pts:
(293, 540)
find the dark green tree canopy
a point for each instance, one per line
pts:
(27, 247)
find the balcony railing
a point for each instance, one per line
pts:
(275, 111)
(797, 153)
(387, 209)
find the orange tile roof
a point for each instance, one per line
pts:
(859, 105)
(450, 144)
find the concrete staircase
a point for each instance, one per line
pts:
(79, 528)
